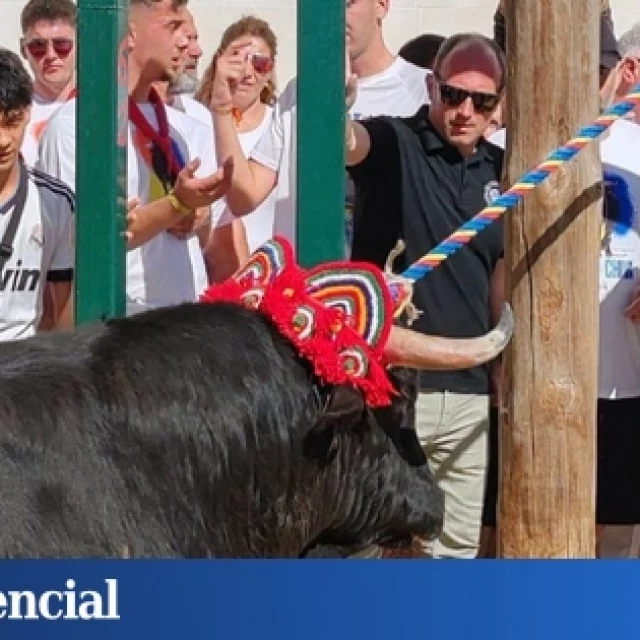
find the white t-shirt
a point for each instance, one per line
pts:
(619, 371)
(57, 147)
(400, 90)
(43, 250)
(41, 112)
(259, 223)
(165, 270)
(619, 357)
(193, 108)
(499, 138)
(189, 105)
(276, 150)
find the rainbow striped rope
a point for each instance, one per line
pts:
(527, 183)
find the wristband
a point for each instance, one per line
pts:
(177, 204)
(222, 111)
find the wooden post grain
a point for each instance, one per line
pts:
(548, 413)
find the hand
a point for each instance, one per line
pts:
(230, 69)
(191, 223)
(132, 205)
(350, 83)
(633, 310)
(195, 192)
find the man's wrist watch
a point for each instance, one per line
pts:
(178, 205)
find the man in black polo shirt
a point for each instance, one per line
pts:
(419, 179)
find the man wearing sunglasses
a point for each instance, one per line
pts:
(419, 179)
(48, 44)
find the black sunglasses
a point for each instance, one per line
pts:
(455, 96)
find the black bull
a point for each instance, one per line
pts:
(196, 431)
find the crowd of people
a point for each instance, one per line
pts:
(212, 175)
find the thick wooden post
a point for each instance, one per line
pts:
(547, 429)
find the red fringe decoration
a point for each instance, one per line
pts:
(320, 334)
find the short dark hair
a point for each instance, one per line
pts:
(422, 50)
(16, 86)
(49, 10)
(456, 41)
(500, 30)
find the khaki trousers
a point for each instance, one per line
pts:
(619, 541)
(453, 430)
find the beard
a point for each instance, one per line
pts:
(183, 83)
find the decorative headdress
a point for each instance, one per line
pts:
(337, 315)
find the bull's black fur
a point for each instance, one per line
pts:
(194, 431)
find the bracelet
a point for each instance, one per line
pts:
(177, 204)
(222, 111)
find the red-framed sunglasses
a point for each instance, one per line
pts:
(38, 47)
(261, 63)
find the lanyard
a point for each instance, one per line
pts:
(165, 157)
(19, 200)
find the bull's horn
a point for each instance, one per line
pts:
(407, 348)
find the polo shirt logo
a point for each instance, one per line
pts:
(491, 191)
(18, 279)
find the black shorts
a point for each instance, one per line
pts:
(618, 461)
(618, 470)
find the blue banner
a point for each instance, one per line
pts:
(313, 600)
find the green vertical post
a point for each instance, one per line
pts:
(320, 133)
(101, 147)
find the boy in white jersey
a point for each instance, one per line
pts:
(171, 163)
(387, 85)
(48, 44)
(36, 220)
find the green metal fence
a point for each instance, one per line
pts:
(320, 136)
(101, 175)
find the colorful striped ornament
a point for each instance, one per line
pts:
(527, 183)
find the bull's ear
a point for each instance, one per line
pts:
(343, 408)
(344, 405)
(320, 444)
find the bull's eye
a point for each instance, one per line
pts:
(355, 362)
